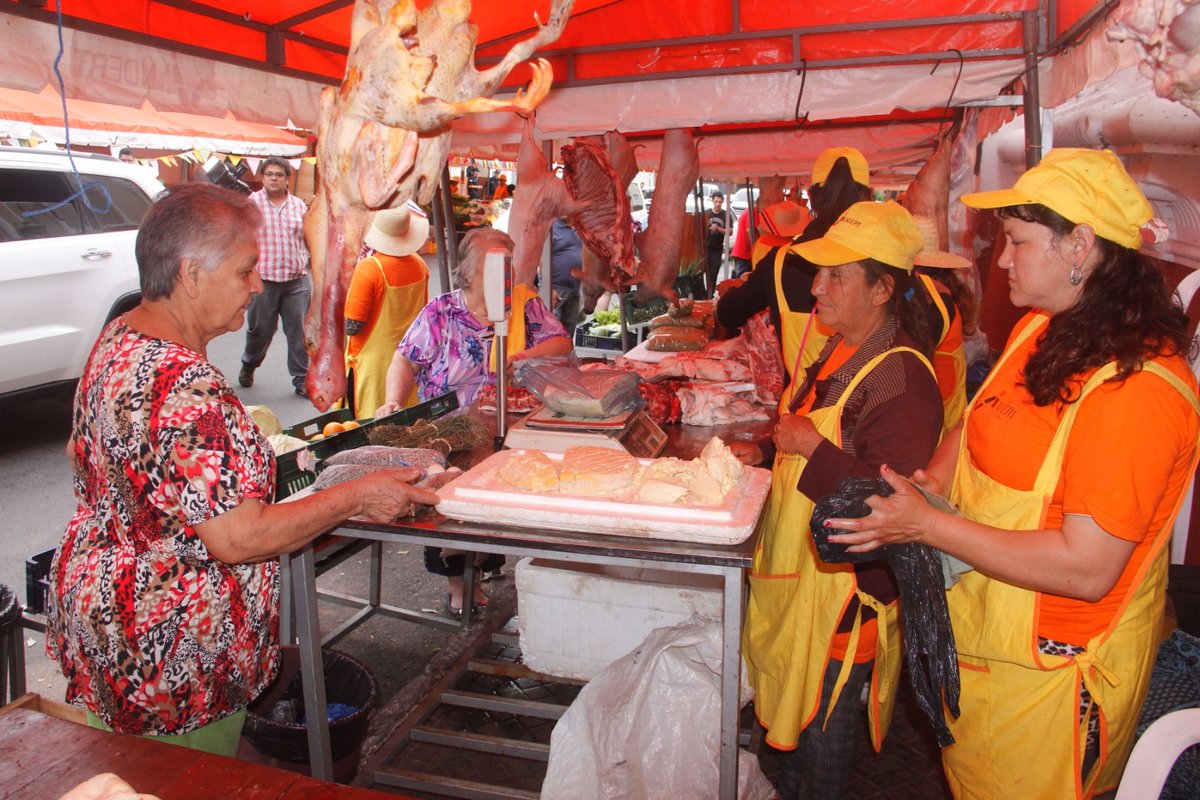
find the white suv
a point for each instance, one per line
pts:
(67, 265)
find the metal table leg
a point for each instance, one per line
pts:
(731, 670)
(312, 668)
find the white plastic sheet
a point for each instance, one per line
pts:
(648, 725)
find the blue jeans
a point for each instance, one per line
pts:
(286, 300)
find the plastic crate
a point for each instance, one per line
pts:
(609, 344)
(430, 409)
(323, 448)
(37, 580)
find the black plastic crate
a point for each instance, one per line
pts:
(637, 335)
(37, 580)
(439, 406)
(323, 448)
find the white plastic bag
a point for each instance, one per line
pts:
(648, 726)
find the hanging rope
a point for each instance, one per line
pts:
(84, 188)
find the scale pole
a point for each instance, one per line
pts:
(500, 345)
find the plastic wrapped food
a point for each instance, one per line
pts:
(384, 456)
(928, 638)
(675, 338)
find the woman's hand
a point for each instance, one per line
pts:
(929, 482)
(903, 517)
(796, 434)
(388, 494)
(386, 408)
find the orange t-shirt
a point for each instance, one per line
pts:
(840, 355)
(365, 295)
(1126, 464)
(944, 358)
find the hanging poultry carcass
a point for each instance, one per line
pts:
(543, 198)
(1167, 36)
(384, 136)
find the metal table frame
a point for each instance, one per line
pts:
(728, 561)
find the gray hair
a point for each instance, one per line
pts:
(190, 220)
(471, 251)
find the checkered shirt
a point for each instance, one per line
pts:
(282, 254)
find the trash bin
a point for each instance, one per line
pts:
(275, 720)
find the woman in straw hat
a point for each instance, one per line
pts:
(839, 179)
(1068, 468)
(814, 631)
(389, 288)
(948, 296)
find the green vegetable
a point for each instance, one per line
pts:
(612, 317)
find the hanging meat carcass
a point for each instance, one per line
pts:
(660, 246)
(1167, 36)
(384, 136)
(543, 198)
(929, 193)
(604, 224)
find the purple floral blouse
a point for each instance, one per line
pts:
(450, 349)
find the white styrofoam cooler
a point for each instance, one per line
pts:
(575, 619)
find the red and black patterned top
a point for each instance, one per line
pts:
(154, 635)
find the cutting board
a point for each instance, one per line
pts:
(478, 495)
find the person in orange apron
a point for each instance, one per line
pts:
(389, 288)
(840, 178)
(1068, 470)
(816, 632)
(449, 348)
(934, 266)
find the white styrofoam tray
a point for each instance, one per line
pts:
(478, 495)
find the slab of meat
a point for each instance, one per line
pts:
(604, 224)
(543, 197)
(384, 136)
(662, 243)
(766, 360)
(1167, 36)
(929, 193)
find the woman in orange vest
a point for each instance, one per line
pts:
(389, 288)
(1068, 470)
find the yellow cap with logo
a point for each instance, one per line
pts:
(1087, 187)
(885, 232)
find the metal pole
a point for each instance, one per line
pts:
(439, 239)
(1033, 113)
(751, 227)
(451, 260)
(545, 283)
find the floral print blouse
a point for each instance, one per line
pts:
(450, 349)
(153, 634)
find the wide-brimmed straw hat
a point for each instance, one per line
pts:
(398, 231)
(1087, 187)
(931, 253)
(858, 164)
(787, 218)
(882, 231)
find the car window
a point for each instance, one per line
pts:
(33, 205)
(129, 204)
(635, 198)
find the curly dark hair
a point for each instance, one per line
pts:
(1125, 314)
(909, 303)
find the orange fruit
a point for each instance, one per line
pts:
(351, 425)
(316, 437)
(333, 428)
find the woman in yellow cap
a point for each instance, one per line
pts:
(815, 632)
(1069, 468)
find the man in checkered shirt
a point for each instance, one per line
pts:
(283, 265)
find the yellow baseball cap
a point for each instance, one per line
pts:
(1087, 187)
(858, 164)
(883, 231)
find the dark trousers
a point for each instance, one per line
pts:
(820, 766)
(715, 257)
(286, 300)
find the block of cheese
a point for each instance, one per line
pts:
(530, 469)
(596, 470)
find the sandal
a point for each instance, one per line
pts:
(456, 613)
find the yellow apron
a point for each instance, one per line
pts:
(801, 334)
(515, 343)
(797, 601)
(1018, 704)
(369, 365)
(954, 397)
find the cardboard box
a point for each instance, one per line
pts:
(575, 619)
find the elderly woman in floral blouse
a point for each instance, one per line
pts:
(449, 348)
(164, 610)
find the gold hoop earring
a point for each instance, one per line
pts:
(1076, 276)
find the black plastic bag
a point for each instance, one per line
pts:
(928, 638)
